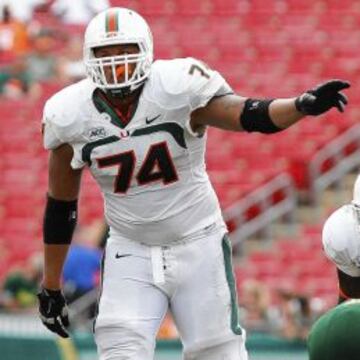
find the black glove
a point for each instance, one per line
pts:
(53, 311)
(322, 98)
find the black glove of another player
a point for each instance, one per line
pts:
(53, 311)
(322, 98)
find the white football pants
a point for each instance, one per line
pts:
(194, 280)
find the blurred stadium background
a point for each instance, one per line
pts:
(275, 191)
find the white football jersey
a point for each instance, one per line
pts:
(152, 170)
(341, 239)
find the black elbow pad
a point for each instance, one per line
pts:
(60, 219)
(255, 117)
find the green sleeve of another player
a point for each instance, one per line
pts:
(336, 335)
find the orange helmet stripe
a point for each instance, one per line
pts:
(112, 21)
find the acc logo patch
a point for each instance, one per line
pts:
(98, 132)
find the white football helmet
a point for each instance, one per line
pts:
(113, 27)
(341, 239)
(356, 201)
(356, 191)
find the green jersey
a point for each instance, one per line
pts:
(336, 335)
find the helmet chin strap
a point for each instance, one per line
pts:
(120, 93)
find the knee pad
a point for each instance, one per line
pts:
(123, 343)
(230, 350)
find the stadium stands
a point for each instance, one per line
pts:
(296, 264)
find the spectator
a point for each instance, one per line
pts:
(295, 316)
(78, 12)
(15, 80)
(82, 266)
(22, 10)
(255, 308)
(42, 64)
(13, 34)
(71, 67)
(21, 286)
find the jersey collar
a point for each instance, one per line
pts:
(103, 104)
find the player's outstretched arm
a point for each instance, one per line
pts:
(237, 113)
(59, 223)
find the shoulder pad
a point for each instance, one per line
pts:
(183, 82)
(63, 115)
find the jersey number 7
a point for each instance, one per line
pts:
(157, 166)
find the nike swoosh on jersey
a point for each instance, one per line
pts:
(118, 256)
(149, 121)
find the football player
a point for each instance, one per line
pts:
(140, 127)
(341, 242)
(336, 334)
